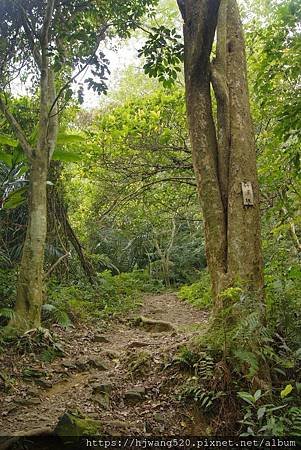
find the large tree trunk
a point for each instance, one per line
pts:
(244, 241)
(199, 29)
(223, 149)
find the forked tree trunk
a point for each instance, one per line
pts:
(223, 149)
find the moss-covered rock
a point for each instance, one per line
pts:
(74, 424)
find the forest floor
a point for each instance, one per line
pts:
(122, 373)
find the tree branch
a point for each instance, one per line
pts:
(26, 147)
(30, 36)
(44, 79)
(101, 36)
(47, 23)
(117, 204)
(56, 264)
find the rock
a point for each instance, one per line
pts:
(101, 394)
(98, 363)
(34, 392)
(82, 363)
(101, 388)
(102, 399)
(44, 383)
(137, 344)
(74, 424)
(155, 326)
(95, 361)
(28, 401)
(134, 395)
(100, 338)
(69, 364)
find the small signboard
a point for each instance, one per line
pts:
(247, 193)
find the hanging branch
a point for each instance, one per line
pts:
(56, 264)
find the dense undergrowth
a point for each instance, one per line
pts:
(245, 377)
(79, 301)
(238, 387)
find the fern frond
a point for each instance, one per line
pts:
(8, 313)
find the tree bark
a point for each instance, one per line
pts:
(199, 30)
(30, 282)
(244, 240)
(223, 150)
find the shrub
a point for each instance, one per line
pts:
(7, 294)
(199, 293)
(113, 294)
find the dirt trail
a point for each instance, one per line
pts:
(128, 359)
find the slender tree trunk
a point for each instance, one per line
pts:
(30, 282)
(223, 150)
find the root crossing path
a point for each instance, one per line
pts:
(124, 375)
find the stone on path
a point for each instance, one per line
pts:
(100, 338)
(155, 326)
(102, 388)
(137, 344)
(134, 395)
(74, 424)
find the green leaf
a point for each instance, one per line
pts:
(295, 273)
(261, 412)
(247, 397)
(6, 158)
(257, 395)
(7, 140)
(286, 391)
(66, 155)
(69, 138)
(15, 199)
(8, 313)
